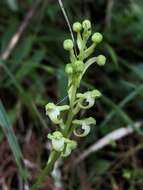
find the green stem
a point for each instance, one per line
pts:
(46, 171)
(70, 113)
(55, 155)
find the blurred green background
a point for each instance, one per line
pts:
(32, 74)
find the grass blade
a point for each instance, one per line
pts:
(12, 140)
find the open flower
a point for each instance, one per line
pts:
(69, 146)
(54, 111)
(58, 140)
(88, 97)
(85, 126)
(62, 144)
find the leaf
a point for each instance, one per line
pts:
(23, 49)
(102, 166)
(137, 70)
(113, 55)
(12, 140)
(13, 5)
(118, 108)
(26, 98)
(5, 38)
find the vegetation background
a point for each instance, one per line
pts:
(31, 74)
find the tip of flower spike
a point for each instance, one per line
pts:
(86, 24)
(101, 60)
(77, 27)
(97, 37)
(68, 44)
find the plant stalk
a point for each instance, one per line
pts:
(55, 155)
(46, 171)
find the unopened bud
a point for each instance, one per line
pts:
(77, 27)
(79, 66)
(86, 24)
(97, 37)
(69, 69)
(101, 59)
(68, 44)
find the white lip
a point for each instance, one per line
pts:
(58, 145)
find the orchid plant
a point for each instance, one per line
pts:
(65, 116)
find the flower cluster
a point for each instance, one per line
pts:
(65, 115)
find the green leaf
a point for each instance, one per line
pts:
(113, 55)
(12, 140)
(118, 108)
(102, 166)
(23, 49)
(13, 5)
(25, 97)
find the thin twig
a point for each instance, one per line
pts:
(109, 9)
(106, 140)
(15, 38)
(68, 22)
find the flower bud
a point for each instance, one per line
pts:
(77, 27)
(69, 69)
(100, 59)
(97, 37)
(78, 66)
(86, 24)
(68, 44)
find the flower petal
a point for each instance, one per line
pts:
(53, 112)
(58, 145)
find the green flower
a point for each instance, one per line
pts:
(70, 145)
(62, 144)
(54, 111)
(85, 126)
(58, 141)
(88, 97)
